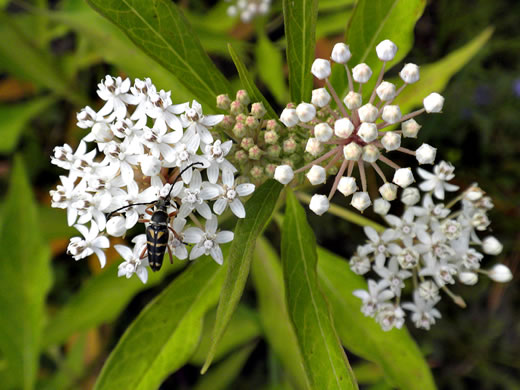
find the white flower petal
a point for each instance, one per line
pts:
(224, 237)
(193, 235)
(245, 189)
(238, 208)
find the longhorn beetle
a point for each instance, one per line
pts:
(157, 234)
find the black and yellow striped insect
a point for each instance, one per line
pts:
(158, 231)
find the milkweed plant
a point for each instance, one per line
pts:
(210, 174)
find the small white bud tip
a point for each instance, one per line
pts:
(306, 112)
(468, 278)
(343, 128)
(289, 117)
(320, 68)
(352, 151)
(284, 174)
(381, 206)
(391, 141)
(403, 177)
(319, 204)
(323, 132)
(410, 128)
(368, 113)
(410, 196)
(386, 50)
(388, 191)
(341, 53)
(367, 132)
(361, 73)
(347, 185)
(391, 114)
(360, 201)
(317, 175)
(313, 146)
(433, 103)
(353, 100)
(320, 97)
(425, 154)
(410, 73)
(386, 91)
(500, 273)
(491, 246)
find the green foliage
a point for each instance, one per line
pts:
(300, 28)
(395, 351)
(25, 278)
(162, 31)
(324, 359)
(165, 334)
(270, 67)
(258, 212)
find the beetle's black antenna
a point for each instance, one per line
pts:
(130, 205)
(180, 174)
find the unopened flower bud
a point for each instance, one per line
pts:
(343, 128)
(370, 153)
(500, 273)
(433, 103)
(247, 143)
(360, 201)
(255, 153)
(313, 146)
(306, 112)
(258, 110)
(320, 68)
(223, 102)
(410, 196)
(274, 151)
(289, 146)
(491, 246)
(391, 114)
(367, 132)
(347, 185)
(320, 97)
(227, 122)
(102, 132)
(368, 113)
(272, 125)
(323, 132)
(341, 53)
(381, 206)
(116, 226)
(388, 191)
(241, 156)
(410, 128)
(468, 278)
(289, 117)
(317, 175)
(271, 137)
(425, 154)
(251, 122)
(410, 73)
(319, 204)
(386, 50)
(150, 166)
(403, 177)
(270, 169)
(361, 73)
(239, 130)
(352, 151)
(236, 107)
(391, 141)
(243, 97)
(284, 174)
(386, 91)
(353, 100)
(257, 172)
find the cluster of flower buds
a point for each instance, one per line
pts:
(260, 144)
(430, 247)
(142, 143)
(248, 9)
(353, 133)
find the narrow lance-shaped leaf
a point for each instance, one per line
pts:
(372, 22)
(300, 29)
(270, 66)
(249, 85)
(165, 334)
(162, 31)
(258, 212)
(395, 351)
(323, 356)
(25, 278)
(278, 328)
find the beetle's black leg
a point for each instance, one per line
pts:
(142, 256)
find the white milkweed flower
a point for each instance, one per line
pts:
(248, 10)
(207, 241)
(139, 144)
(437, 181)
(438, 244)
(339, 130)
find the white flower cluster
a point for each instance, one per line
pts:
(143, 142)
(430, 246)
(354, 133)
(248, 9)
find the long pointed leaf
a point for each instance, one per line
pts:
(323, 356)
(258, 212)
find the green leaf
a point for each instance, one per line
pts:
(435, 77)
(25, 279)
(249, 85)
(22, 58)
(99, 301)
(14, 119)
(162, 31)
(223, 375)
(269, 286)
(270, 67)
(372, 22)
(243, 328)
(300, 27)
(165, 334)
(395, 351)
(327, 5)
(53, 224)
(332, 23)
(259, 209)
(323, 356)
